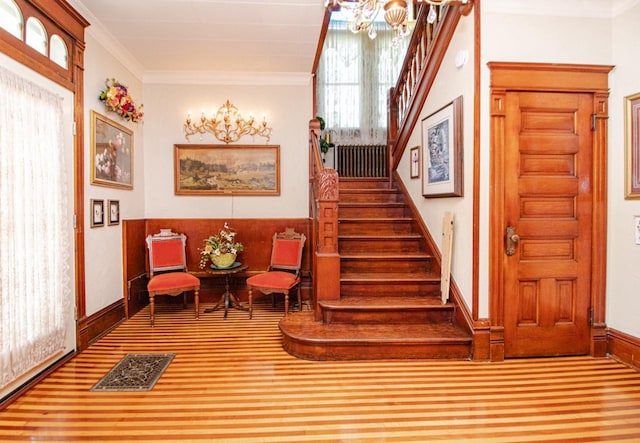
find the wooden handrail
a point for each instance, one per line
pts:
(425, 53)
(323, 212)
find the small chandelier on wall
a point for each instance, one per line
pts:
(227, 125)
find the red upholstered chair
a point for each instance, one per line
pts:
(168, 269)
(284, 270)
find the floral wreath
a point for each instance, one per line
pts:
(117, 99)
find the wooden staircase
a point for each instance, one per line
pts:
(389, 304)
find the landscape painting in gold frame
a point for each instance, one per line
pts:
(632, 142)
(227, 170)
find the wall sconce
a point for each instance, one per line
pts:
(227, 125)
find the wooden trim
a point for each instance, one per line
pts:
(544, 77)
(475, 235)
(624, 348)
(100, 323)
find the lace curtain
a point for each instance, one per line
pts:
(35, 235)
(355, 74)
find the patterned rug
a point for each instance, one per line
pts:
(135, 372)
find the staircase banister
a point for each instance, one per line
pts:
(425, 53)
(323, 211)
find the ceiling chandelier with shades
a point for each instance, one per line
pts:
(397, 13)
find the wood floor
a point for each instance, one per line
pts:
(231, 381)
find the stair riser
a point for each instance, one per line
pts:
(392, 246)
(375, 228)
(373, 197)
(370, 212)
(389, 289)
(364, 184)
(386, 266)
(387, 316)
(376, 351)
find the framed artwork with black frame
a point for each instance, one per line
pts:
(414, 158)
(97, 213)
(442, 148)
(114, 212)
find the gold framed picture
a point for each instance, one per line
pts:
(111, 153)
(227, 170)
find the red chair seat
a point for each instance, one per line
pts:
(172, 280)
(273, 279)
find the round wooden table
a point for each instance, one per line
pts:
(228, 300)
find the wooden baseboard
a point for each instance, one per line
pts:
(624, 348)
(96, 325)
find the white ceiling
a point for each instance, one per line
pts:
(164, 36)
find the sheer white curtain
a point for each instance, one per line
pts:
(35, 239)
(355, 74)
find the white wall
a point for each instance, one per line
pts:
(288, 109)
(600, 36)
(450, 83)
(103, 246)
(623, 255)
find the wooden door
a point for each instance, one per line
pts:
(548, 162)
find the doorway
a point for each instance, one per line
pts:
(548, 202)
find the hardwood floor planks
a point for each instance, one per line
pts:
(231, 381)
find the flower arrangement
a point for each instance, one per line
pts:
(117, 99)
(221, 243)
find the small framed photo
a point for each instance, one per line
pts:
(442, 152)
(415, 161)
(114, 212)
(97, 213)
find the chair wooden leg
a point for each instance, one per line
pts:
(299, 300)
(286, 303)
(250, 303)
(196, 297)
(152, 308)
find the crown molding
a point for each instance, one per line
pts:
(565, 8)
(228, 78)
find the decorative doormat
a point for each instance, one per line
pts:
(135, 372)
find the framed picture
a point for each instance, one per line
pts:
(111, 153)
(442, 152)
(632, 142)
(97, 213)
(414, 155)
(114, 212)
(226, 170)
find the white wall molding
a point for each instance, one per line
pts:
(228, 78)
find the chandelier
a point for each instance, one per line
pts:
(227, 125)
(397, 13)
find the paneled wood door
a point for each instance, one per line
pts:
(548, 214)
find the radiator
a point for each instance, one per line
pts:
(362, 160)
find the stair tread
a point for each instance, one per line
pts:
(381, 236)
(302, 326)
(386, 255)
(390, 276)
(401, 302)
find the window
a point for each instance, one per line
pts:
(11, 18)
(36, 35)
(355, 74)
(58, 51)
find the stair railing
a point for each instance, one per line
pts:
(323, 212)
(427, 48)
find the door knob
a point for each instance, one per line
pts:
(512, 238)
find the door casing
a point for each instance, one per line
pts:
(543, 77)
